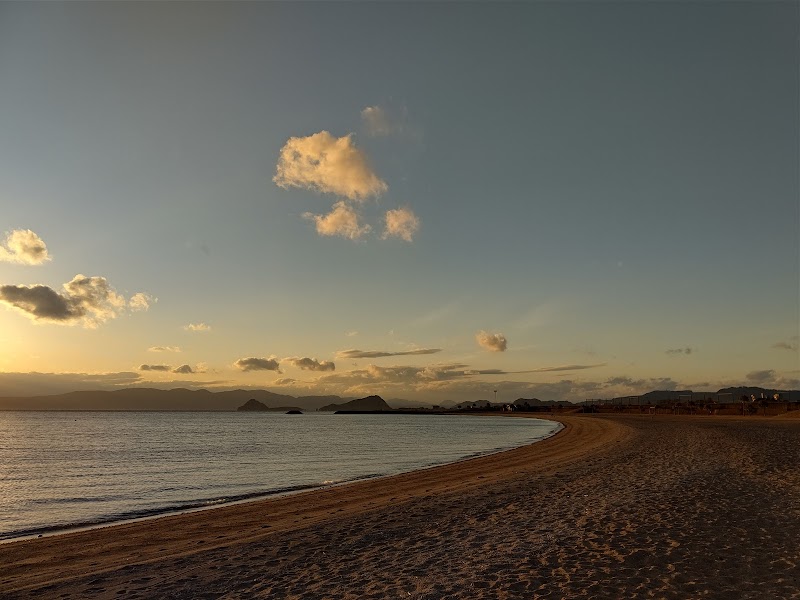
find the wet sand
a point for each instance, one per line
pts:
(612, 507)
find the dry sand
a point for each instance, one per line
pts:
(612, 507)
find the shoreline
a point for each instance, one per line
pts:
(204, 505)
(31, 563)
(612, 506)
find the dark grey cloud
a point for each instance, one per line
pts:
(310, 364)
(688, 350)
(183, 369)
(257, 364)
(642, 385)
(41, 302)
(790, 345)
(154, 367)
(761, 376)
(384, 353)
(563, 368)
(90, 300)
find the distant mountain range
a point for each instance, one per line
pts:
(181, 399)
(155, 399)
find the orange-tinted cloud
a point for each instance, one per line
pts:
(327, 164)
(401, 223)
(494, 342)
(24, 247)
(342, 221)
(87, 300)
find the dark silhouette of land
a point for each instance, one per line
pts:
(182, 399)
(370, 403)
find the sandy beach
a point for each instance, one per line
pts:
(611, 507)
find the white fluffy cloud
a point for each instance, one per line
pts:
(343, 221)
(164, 349)
(24, 247)
(310, 364)
(327, 164)
(401, 223)
(257, 364)
(494, 342)
(183, 369)
(197, 327)
(154, 367)
(87, 300)
(141, 301)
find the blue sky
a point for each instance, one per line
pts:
(611, 188)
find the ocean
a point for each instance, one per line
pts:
(61, 470)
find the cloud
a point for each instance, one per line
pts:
(565, 368)
(164, 349)
(257, 364)
(383, 353)
(376, 121)
(284, 381)
(761, 376)
(23, 246)
(154, 367)
(90, 300)
(141, 301)
(494, 342)
(310, 364)
(686, 350)
(401, 223)
(624, 383)
(557, 369)
(41, 384)
(343, 221)
(327, 164)
(183, 369)
(197, 327)
(353, 333)
(787, 345)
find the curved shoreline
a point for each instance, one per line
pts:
(202, 504)
(45, 561)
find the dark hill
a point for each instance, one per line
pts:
(252, 405)
(369, 403)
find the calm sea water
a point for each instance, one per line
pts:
(65, 469)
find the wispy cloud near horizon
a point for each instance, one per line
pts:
(352, 354)
(257, 364)
(310, 364)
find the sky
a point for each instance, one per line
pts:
(429, 201)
